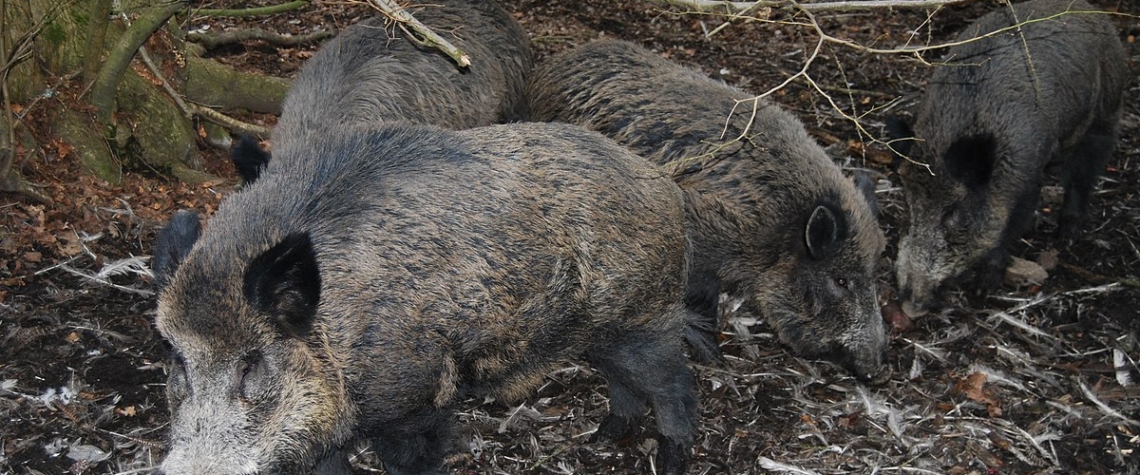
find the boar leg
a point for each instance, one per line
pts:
(650, 366)
(1079, 178)
(334, 463)
(419, 445)
(702, 298)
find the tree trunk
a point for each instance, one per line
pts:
(139, 119)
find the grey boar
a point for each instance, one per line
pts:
(772, 219)
(377, 274)
(372, 72)
(992, 118)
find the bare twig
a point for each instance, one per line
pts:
(426, 36)
(186, 111)
(229, 122)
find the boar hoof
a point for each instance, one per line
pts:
(672, 456)
(614, 428)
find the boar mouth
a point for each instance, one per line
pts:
(870, 372)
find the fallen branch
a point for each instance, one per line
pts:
(165, 84)
(426, 37)
(229, 122)
(248, 12)
(230, 37)
(741, 7)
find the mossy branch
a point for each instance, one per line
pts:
(248, 12)
(103, 91)
(96, 35)
(214, 40)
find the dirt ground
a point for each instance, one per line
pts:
(1040, 379)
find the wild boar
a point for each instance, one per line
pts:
(772, 218)
(373, 72)
(1000, 109)
(377, 274)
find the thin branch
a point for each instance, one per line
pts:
(186, 112)
(214, 40)
(426, 37)
(229, 122)
(249, 12)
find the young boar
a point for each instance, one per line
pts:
(771, 217)
(371, 72)
(992, 118)
(376, 275)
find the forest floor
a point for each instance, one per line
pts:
(1037, 379)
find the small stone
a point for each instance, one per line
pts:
(1052, 195)
(1048, 259)
(1021, 273)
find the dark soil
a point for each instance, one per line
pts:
(1031, 380)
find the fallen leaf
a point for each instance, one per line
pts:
(128, 411)
(63, 149)
(895, 317)
(33, 256)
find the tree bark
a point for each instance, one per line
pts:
(137, 122)
(103, 92)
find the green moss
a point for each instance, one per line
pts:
(87, 144)
(55, 33)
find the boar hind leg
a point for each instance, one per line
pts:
(1079, 178)
(420, 446)
(650, 367)
(335, 463)
(701, 331)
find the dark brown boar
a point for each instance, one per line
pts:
(772, 218)
(999, 110)
(374, 275)
(371, 72)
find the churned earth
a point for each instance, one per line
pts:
(1041, 378)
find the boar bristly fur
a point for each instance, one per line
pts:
(373, 276)
(371, 72)
(772, 219)
(993, 117)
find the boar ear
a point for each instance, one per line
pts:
(285, 282)
(172, 245)
(971, 160)
(900, 135)
(249, 159)
(865, 182)
(822, 233)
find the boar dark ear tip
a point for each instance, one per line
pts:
(285, 282)
(822, 231)
(173, 244)
(249, 158)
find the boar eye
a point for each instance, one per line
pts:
(176, 385)
(250, 369)
(841, 282)
(951, 218)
